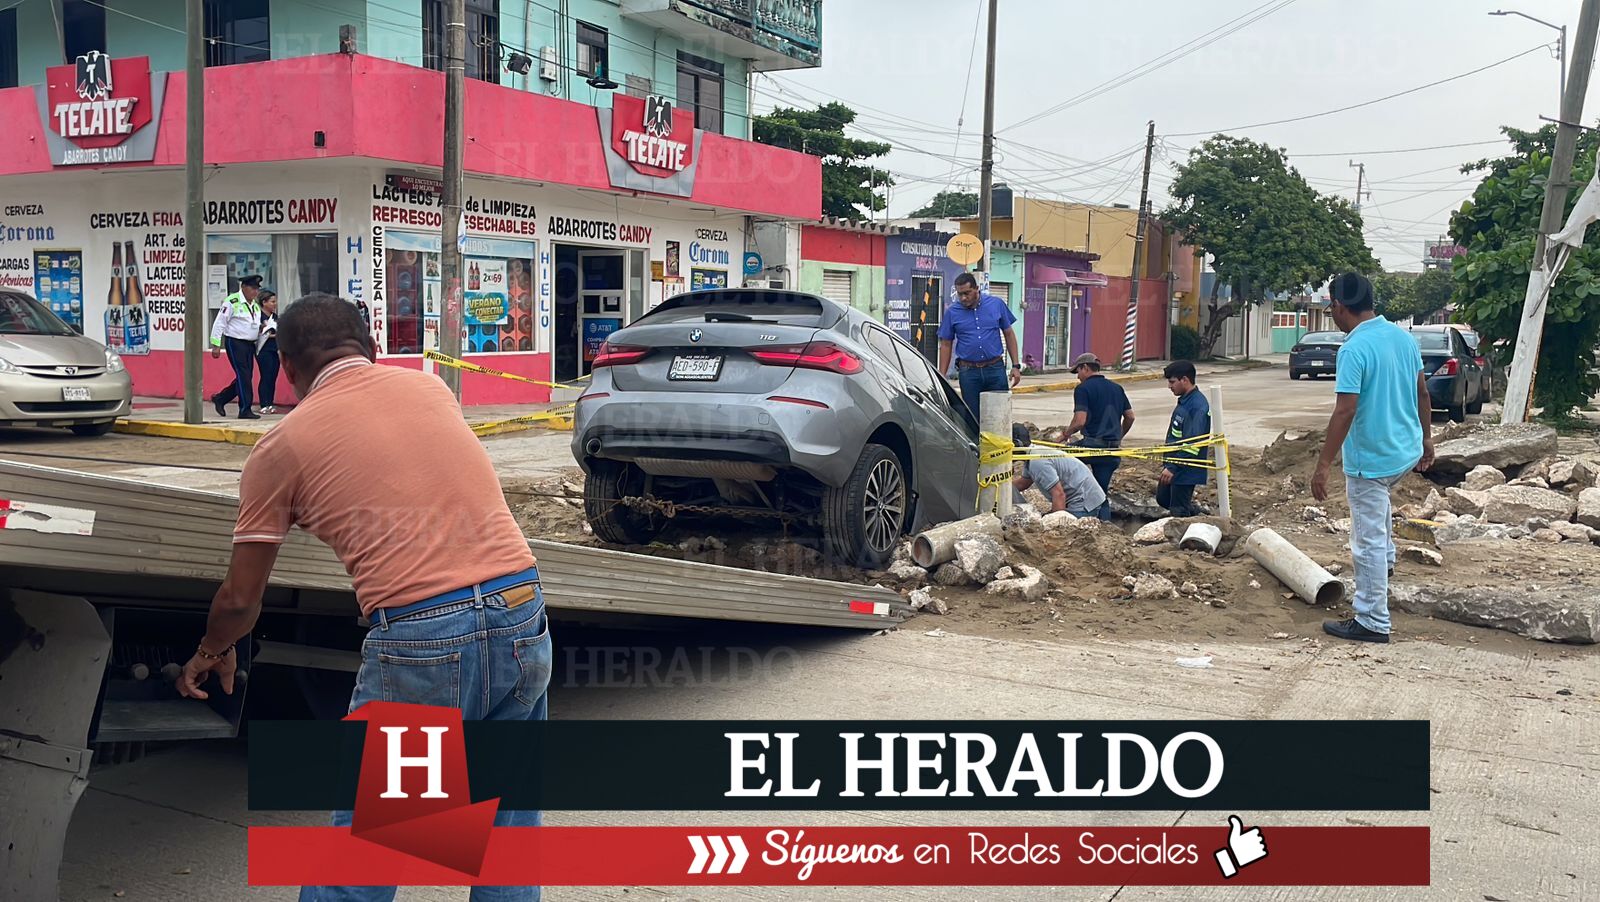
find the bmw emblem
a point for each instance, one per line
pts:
(694, 334)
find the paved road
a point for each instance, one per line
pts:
(1260, 403)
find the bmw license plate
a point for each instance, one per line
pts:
(695, 369)
(75, 393)
(1319, 363)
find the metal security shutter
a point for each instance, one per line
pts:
(838, 286)
(1001, 290)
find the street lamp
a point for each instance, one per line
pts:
(1561, 47)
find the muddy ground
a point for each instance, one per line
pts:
(1233, 597)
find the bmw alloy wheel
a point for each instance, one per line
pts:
(885, 505)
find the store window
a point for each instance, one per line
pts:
(8, 48)
(83, 28)
(483, 38)
(293, 266)
(497, 283)
(237, 31)
(592, 44)
(700, 89)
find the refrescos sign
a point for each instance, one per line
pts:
(99, 110)
(650, 145)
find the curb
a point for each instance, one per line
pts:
(1072, 384)
(197, 432)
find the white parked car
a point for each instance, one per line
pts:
(52, 376)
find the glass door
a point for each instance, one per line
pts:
(602, 299)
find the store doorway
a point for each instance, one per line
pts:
(592, 301)
(927, 303)
(1058, 328)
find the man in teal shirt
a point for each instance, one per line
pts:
(1381, 423)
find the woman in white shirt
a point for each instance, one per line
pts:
(267, 350)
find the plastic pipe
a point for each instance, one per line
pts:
(1201, 537)
(1293, 568)
(938, 545)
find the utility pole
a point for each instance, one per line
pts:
(986, 182)
(1361, 180)
(194, 224)
(450, 244)
(1130, 338)
(1530, 333)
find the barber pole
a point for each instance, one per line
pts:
(1133, 328)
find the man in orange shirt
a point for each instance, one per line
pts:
(412, 506)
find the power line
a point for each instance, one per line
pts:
(1373, 153)
(1159, 62)
(1356, 106)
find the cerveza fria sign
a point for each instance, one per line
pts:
(101, 110)
(650, 145)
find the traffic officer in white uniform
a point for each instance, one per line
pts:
(237, 327)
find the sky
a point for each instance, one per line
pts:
(913, 71)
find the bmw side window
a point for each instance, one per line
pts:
(882, 345)
(911, 363)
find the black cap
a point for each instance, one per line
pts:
(252, 281)
(1020, 436)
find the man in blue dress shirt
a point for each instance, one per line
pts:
(973, 327)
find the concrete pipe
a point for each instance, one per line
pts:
(1293, 568)
(938, 545)
(1201, 537)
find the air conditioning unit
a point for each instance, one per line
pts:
(549, 68)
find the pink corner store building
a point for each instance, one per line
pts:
(322, 176)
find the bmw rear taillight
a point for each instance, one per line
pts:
(1450, 368)
(618, 355)
(817, 355)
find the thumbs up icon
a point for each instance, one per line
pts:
(1244, 846)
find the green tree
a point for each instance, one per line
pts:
(950, 204)
(1413, 296)
(1497, 227)
(849, 185)
(1266, 230)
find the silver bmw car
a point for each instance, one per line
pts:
(52, 376)
(772, 403)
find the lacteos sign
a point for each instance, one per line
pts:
(650, 145)
(101, 110)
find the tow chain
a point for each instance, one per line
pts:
(671, 509)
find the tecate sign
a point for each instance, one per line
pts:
(100, 110)
(650, 144)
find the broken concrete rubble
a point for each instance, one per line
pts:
(1497, 446)
(923, 600)
(1533, 481)
(1569, 471)
(1005, 573)
(1150, 586)
(1152, 533)
(1517, 503)
(1551, 615)
(1467, 501)
(1589, 507)
(1030, 586)
(980, 557)
(907, 572)
(1547, 535)
(1023, 516)
(1573, 532)
(1482, 478)
(1422, 555)
(1089, 523)
(1058, 520)
(950, 574)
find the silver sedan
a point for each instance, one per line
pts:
(52, 376)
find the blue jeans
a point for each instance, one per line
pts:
(491, 661)
(1371, 547)
(977, 380)
(1177, 499)
(1102, 468)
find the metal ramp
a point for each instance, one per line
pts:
(66, 531)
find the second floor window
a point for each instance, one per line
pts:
(700, 89)
(237, 31)
(83, 28)
(483, 38)
(592, 50)
(8, 48)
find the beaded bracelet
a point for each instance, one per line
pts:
(201, 651)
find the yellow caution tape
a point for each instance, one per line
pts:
(558, 413)
(995, 449)
(453, 363)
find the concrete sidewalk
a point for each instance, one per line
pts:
(163, 417)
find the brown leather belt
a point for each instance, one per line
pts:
(979, 364)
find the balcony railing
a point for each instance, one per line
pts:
(799, 21)
(738, 10)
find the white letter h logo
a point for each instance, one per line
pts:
(433, 761)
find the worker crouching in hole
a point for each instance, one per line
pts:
(1063, 479)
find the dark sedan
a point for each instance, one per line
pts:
(1314, 354)
(1455, 380)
